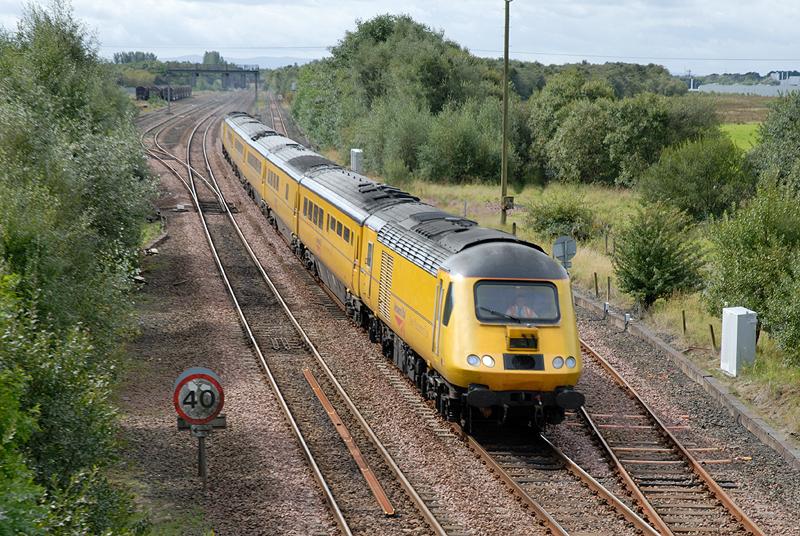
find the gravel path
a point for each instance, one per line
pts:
(767, 488)
(261, 484)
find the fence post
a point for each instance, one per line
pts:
(683, 317)
(713, 338)
(608, 289)
(596, 288)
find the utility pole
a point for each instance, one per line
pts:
(504, 158)
(257, 92)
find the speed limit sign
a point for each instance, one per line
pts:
(198, 396)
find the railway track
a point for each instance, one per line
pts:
(284, 125)
(561, 493)
(278, 124)
(673, 487)
(300, 377)
(673, 491)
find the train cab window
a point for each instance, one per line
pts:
(321, 218)
(316, 214)
(305, 207)
(332, 223)
(369, 254)
(448, 305)
(346, 235)
(519, 302)
(286, 195)
(339, 228)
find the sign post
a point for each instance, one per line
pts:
(198, 398)
(564, 248)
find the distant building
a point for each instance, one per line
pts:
(784, 78)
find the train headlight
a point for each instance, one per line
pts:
(571, 362)
(473, 360)
(488, 361)
(558, 362)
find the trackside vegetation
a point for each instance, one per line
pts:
(74, 191)
(423, 107)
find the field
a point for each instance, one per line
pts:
(744, 135)
(740, 108)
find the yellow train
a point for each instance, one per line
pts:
(480, 320)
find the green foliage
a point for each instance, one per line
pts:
(280, 80)
(134, 57)
(637, 132)
(73, 192)
(779, 151)
(19, 495)
(392, 137)
(390, 66)
(624, 79)
(577, 152)
(463, 143)
(654, 255)
(782, 313)
(703, 178)
(753, 258)
(556, 214)
(750, 78)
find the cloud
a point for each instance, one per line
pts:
(662, 31)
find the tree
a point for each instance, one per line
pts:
(73, 190)
(703, 178)
(655, 255)
(779, 149)
(134, 57)
(636, 134)
(577, 151)
(213, 58)
(753, 253)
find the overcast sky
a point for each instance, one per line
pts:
(704, 36)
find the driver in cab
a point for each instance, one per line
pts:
(520, 308)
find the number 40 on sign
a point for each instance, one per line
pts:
(198, 398)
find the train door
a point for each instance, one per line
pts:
(366, 271)
(263, 188)
(437, 323)
(443, 310)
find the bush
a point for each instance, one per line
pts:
(779, 148)
(752, 259)
(782, 314)
(577, 151)
(464, 144)
(20, 497)
(555, 215)
(703, 178)
(636, 134)
(73, 190)
(654, 256)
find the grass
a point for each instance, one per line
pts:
(733, 108)
(150, 232)
(743, 135)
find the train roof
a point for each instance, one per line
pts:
(422, 233)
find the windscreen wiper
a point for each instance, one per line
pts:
(498, 313)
